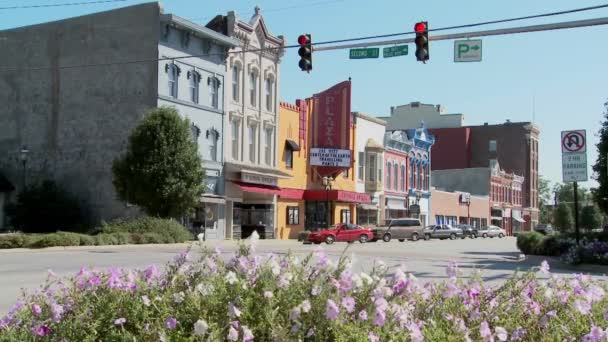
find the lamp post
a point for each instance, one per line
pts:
(24, 154)
(327, 185)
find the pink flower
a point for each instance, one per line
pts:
(371, 337)
(362, 315)
(151, 273)
(294, 314)
(415, 333)
(485, 332)
(57, 311)
(233, 311)
(349, 304)
(305, 306)
(544, 267)
(36, 309)
(120, 322)
(331, 311)
(451, 290)
(268, 294)
(42, 330)
(146, 300)
(171, 323)
(452, 269)
(501, 333)
(596, 335)
(379, 318)
(518, 334)
(233, 334)
(247, 334)
(582, 306)
(563, 296)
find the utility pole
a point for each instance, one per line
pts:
(576, 231)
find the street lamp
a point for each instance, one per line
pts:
(23, 154)
(327, 185)
(418, 196)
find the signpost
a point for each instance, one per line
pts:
(364, 53)
(394, 51)
(574, 165)
(467, 50)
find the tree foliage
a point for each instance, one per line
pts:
(545, 198)
(600, 168)
(563, 217)
(161, 171)
(44, 208)
(591, 218)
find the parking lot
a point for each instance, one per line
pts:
(497, 259)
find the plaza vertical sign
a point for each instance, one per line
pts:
(330, 149)
(574, 156)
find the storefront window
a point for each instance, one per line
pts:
(367, 217)
(316, 215)
(345, 216)
(293, 215)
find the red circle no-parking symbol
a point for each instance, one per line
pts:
(573, 141)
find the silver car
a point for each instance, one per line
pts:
(491, 231)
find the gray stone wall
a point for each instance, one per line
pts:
(76, 121)
(475, 181)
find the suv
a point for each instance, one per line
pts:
(400, 229)
(545, 229)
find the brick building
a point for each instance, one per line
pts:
(455, 207)
(513, 144)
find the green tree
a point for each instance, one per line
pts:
(161, 171)
(600, 168)
(591, 218)
(563, 217)
(45, 208)
(545, 198)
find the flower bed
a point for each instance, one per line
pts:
(589, 251)
(271, 298)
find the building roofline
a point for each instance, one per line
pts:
(369, 118)
(199, 29)
(289, 106)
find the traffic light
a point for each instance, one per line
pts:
(422, 41)
(305, 52)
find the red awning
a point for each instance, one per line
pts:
(337, 195)
(295, 194)
(259, 188)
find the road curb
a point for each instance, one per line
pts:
(80, 248)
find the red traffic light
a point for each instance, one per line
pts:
(303, 40)
(420, 27)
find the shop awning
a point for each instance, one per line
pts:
(5, 185)
(292, 145)
(213, 199)
(259, 188)
(295, 194)
(337, 195)
(517, 216)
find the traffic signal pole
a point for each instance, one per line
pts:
(498, 32)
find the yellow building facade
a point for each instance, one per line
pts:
(304, 199)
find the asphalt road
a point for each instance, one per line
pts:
(497, 259)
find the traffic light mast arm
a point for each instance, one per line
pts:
(498, 32)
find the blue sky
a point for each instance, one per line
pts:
(564, 71)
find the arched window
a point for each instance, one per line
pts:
(214, 85)
(396, 176)
(269, 92)
(236, 83)
(411, 174)
(253, 88)
(415, 185)
(173, 72)
(403, 178)
(388, 175)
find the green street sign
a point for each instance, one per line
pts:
(394, 51)
(467, 50)
(364, 53)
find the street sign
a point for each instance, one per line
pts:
(574, 141)
(467, 50)
(574, 156)
(394, 51)
(574, 167)
(364, 53)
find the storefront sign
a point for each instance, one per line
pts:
(337, 195)
(258, 179)
(330, 157)
(347, 196)
(331, 126)
(414, 209)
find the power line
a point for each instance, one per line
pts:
(296, 45)
(61, 5)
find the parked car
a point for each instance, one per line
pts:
(343, 232)
(400, 229)
(468, 231)
(492, 231)
(443, 231)
(545, 229)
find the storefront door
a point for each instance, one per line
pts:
(316, 215)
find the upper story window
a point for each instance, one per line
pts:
(402, 177)
(236, 83)
(361, 168)
(252, 142)
(268, 147)
(269, 97)
(371, 167)
(289, 158)
(492, 146)
(388, 175)
(173, 72)
(213, 137)
(253, 89)
(214, 85)
(396, 176)
(235, 139)
(194, 79)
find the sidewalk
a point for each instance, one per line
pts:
(557, 263)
